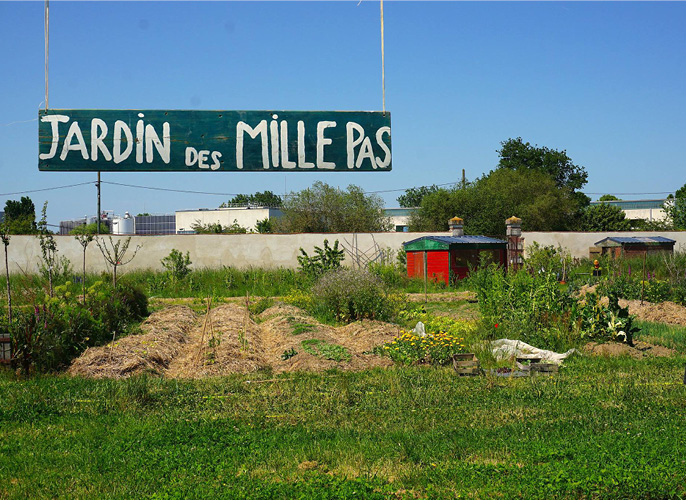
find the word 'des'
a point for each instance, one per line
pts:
(138, 140)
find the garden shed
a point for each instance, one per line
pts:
(625, 246)
(441, 258)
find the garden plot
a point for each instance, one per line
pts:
(164, 336)
(177, 343)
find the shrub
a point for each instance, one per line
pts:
(325, 259)
(50, 335)
(177, 265)
(352, 294)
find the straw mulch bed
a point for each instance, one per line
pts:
(176, 343)
(164, 336)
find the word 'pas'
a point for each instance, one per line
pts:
(272, 137)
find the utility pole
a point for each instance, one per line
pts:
(97, 217)
(464, 179)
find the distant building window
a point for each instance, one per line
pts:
(402, 229)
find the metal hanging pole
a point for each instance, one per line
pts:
(47, 48)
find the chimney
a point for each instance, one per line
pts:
(456, 227)
(514, 242)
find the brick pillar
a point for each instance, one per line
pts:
(515, 242)
(456, 227)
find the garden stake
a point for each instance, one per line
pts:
(643, 283)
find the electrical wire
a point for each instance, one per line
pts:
(46, 189)
(154, 188)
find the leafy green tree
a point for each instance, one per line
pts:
(264, 226)
(264, 198)
(21, 216)
(177, 265)
(326, 209)
(325, 259)
(485, 204)
(90, 229)
(608, 197)
(604, 217)
(48, 247)
(413, 197)
(517, 154)
(675, 208)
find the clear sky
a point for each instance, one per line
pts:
(605, 81)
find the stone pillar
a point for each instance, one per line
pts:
(456, 227)
(515, 242)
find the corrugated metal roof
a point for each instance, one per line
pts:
(466, 239)
(636, 239)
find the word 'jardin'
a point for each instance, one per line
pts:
(186, 140)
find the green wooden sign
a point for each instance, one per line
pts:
(190, 141)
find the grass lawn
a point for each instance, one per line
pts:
(602, 428)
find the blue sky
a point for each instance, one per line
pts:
(603, 80)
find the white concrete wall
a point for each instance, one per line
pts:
(245, 217)
(269, 250)
(578, 243)
(206, 250)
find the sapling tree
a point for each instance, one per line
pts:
(84, 240)
(48, 246)
(115, 253)
(5, 236)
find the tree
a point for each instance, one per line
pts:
(604, 217)
(608, 197)
(675, 208)
(265, 199)
(21, 216)
(413, 197)
(48, 246)
(90, 229)
(114, 253)
(326, 209)
(485, 204)
(84, 240)
(516, 154)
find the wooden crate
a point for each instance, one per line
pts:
(466, 364)
(544, 368)
(5, 349)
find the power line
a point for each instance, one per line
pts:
(154, 188)
(46, 189)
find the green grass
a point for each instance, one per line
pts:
(602, 428)
(325, 350)
(671, 336)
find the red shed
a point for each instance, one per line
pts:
(446, 257)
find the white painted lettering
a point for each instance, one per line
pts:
(284, 146)
(202, 156)
(151, 137)
(301, 147)
(191, 156)
(366, 151)
(274, 135)
(98, 134)
(379, 140)
(140, 128)
(260, 130)
(321, 143)
(351, 128)
(54, 121)
(74, 131)
(215, 159)
(119, 127)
